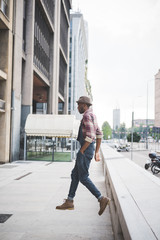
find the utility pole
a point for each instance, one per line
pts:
(132, 136)
(147, 120)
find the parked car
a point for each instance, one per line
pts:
(150, 139)
(68, 145)
(123, 148)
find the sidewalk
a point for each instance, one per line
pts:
(30, 192)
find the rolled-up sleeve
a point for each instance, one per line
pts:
(99, 133)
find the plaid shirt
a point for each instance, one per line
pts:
(90, 127)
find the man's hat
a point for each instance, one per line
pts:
(85, 100)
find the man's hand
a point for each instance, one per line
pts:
(81, 151)
(84, 147)
(97, 156)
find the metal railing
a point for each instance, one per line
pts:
(42, 36)
(62, 75)
(64, 32)
(2, 105)
(50, 7)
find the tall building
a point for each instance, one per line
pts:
(157, 99)
(6, 53)
(116, 119)
(78, 61)
(40, 64)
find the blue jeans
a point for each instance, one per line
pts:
(80, 173)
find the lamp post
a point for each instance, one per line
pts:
(132, 136)
(147, 116)
(132, 129)
(147, 121)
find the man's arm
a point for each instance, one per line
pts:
(97, 155)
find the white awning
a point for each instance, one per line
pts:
(52, 125)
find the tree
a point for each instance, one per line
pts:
(136, 137)
(122, 130)
(107, 131)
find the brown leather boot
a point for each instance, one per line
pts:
(104, 201)
(68, 204)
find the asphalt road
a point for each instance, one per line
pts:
(140, 158)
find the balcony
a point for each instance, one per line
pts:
(3, 78)
(4, 5)
(2, 105)
(3, 75)
(4, 14)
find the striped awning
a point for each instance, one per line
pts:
(52, 125)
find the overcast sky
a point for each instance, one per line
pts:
(124, 55)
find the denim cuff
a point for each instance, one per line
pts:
(70, 198)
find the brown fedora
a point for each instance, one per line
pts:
(85, 100)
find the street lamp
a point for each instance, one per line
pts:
(132, 136)
(147, 120)
(147, 116)
(132, 129)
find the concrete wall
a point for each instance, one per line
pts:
(134, 194)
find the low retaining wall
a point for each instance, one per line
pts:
(135, 195)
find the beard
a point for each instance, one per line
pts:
(81, 110)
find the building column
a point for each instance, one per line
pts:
(6, 116)
(27, 76)
(56, 58)
(6, 49)
(17, 77)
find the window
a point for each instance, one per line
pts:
(42, 36)
(5, 7)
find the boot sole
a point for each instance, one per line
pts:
(65, 208)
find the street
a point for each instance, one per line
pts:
(139, 157)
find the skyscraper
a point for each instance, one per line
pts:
(116, 119)
(78, 60)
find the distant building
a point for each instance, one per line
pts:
(139, 122)
(78, 61)
(157, 99)
(116, 119)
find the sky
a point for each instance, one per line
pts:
(123, 56)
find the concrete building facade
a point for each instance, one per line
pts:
(157, 99)
(6, 54)
(78, 61)
(40, 64)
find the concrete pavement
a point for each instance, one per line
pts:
(30, 192)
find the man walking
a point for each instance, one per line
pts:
(88, 133)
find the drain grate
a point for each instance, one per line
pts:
(23, 176)
(48, 164)
(8, 166)
(25, 162)
(4, 217)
